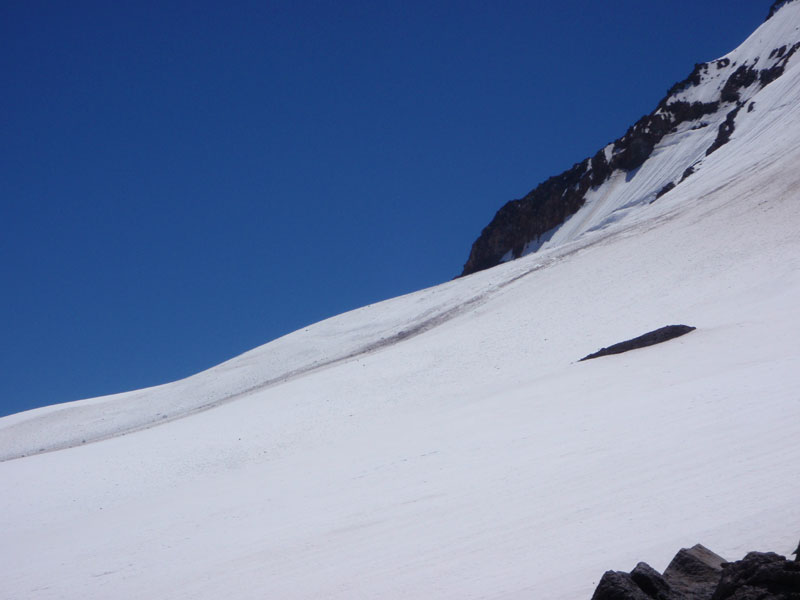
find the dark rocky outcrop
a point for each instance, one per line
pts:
(778, 52)
(767, 76)
(725, 132)
(688, 172)
(550, 204)
(667, 188)
(616, 585)
(758, 576)
(693, 574)
(698, 574)
(694, 78)
(651, 338)
(652, 583)
(523, 221)
(694, 571)
(743, 77)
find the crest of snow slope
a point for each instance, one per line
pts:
(626, 193)
(469, 456)
(313, 348)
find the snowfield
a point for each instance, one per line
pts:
(447, 443)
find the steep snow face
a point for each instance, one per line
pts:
(447, 444)
(658, 153)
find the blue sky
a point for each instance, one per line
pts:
(183, 181)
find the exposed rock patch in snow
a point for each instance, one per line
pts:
(657, 336)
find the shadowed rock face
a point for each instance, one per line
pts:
(767, 76)
(520, 221)
(759, 576)
(651, 582)
(725, 131)
(651, 338)
(743, 77)
(546, 207)
(698, 574)
(667, 188)
(694, 571)
(555, 200)
(616, 585)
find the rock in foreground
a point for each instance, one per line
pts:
(698, 574)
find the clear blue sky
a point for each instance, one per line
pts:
(183, 181)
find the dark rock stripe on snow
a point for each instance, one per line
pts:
(651, 338)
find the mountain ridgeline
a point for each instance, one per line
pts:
(713, 95)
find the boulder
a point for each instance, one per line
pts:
(695, 572)
(616, 585)
(652, 583)
(759, 576)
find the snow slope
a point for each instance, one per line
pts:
(446, 444)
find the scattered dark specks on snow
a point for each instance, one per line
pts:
(648, 339)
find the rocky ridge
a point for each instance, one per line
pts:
(688, 104)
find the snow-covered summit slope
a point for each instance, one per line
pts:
(446, 444)
(659, 152)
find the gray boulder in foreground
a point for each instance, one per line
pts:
(695, 570)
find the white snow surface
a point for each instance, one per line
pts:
(447, 443)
